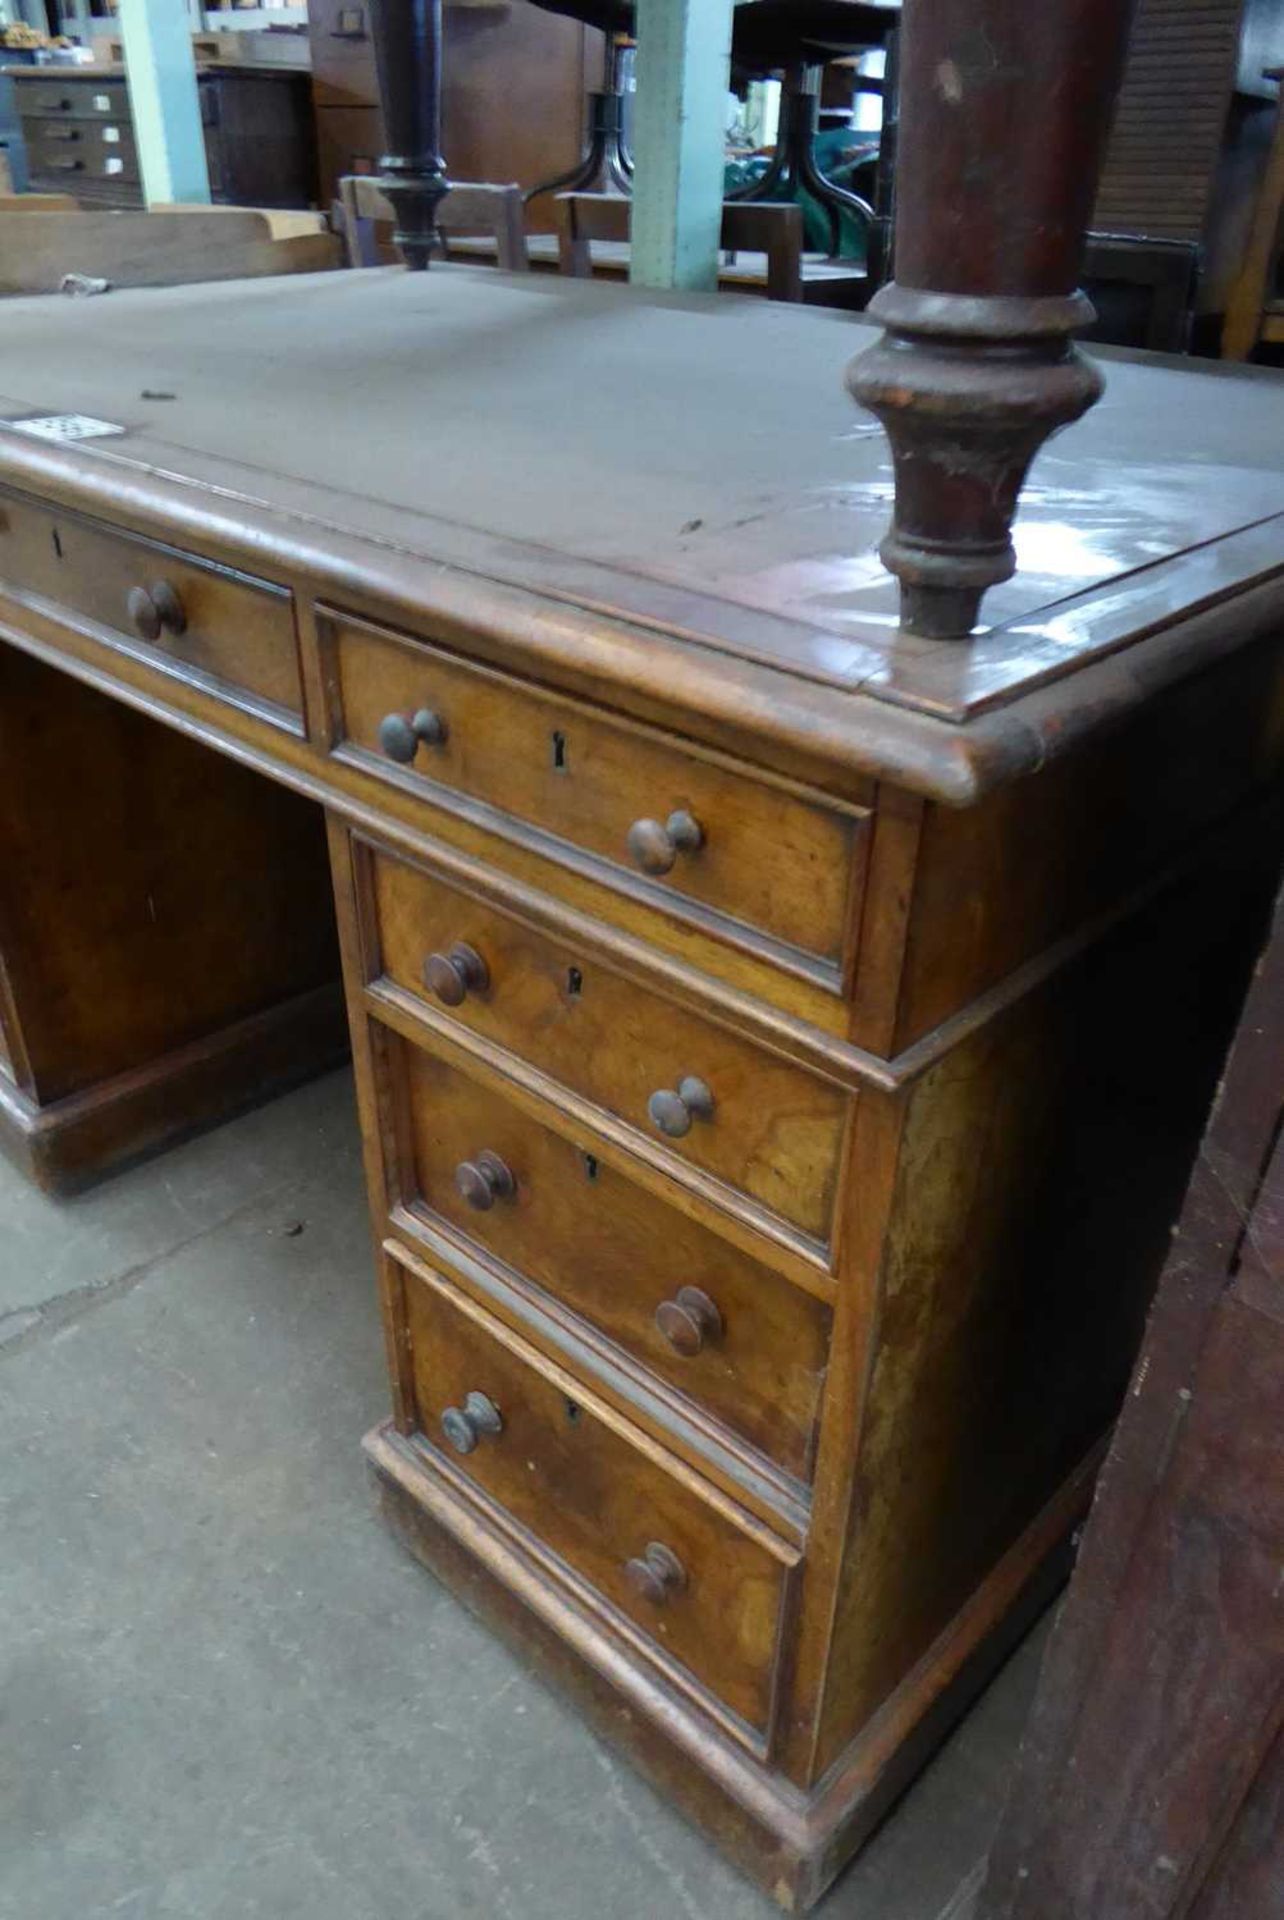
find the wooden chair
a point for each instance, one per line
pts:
(1143, 290)
(1253, 312)
(466, 209)
(747, 227)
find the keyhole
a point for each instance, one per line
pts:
(590, 1166)
(559, 752)
(572, 1413)
(57, 543)
(574, 983)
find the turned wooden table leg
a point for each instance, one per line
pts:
(407, 37)
(1004, 111)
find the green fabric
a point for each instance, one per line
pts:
(852, 172)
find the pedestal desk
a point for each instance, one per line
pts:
(780, 1041)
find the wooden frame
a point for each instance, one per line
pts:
(497, 211)
(747, 227)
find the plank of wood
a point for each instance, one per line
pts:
(37, 202)
(137, 250)
(283, 223)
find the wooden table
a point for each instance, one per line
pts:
(775, 1079)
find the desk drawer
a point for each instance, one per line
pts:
(206, 622)
(771, 858)
(772, 1130)
(74, 148)
(60, 97)
(621, 1259)
(602, 1498)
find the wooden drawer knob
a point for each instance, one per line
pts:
(400, 734)
(453, 976)
(688, 1320)
(655, 847)
(673, 1112)
(656, 1574)
(485, 1180)
(464, 1426)
(156, 609)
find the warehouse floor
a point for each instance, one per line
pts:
(225, 1692)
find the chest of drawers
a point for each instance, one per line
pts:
(775, 1078)
(78, 132)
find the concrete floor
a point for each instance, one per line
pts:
(225, 1693)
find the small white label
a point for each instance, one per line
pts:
(102, 103)
(63, 426)
(112, 136)
(113, 165)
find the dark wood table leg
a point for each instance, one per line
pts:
(407, 37)
(794, 169)
(606, 165)
(880, 261)
(977, 368)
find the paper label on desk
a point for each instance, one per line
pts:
(63, 426)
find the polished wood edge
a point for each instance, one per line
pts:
(678, 1420)
(646, 1162)
(759, 710)
(580, 645)
(230, 569)
(170, 666)
(70, 1143)
(792, 1844)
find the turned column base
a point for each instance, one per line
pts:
(967, 389)
(414, 193)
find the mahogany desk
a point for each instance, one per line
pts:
(780, 1043)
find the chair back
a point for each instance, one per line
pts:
(468, 208)
(748, 226)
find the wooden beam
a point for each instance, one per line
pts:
(157, 36)
(683, 62)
